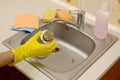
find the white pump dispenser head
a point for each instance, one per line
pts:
(105, 5)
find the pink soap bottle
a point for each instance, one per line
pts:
(102, 20)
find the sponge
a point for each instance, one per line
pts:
(64, 14)
(26, 21)
(49, 14)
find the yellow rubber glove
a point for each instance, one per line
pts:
(33, 48)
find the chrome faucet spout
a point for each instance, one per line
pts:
(62, 21)
(80, 17)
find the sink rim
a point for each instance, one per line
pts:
(82, 67)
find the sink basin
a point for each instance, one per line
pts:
(75, 47)
(78, 50)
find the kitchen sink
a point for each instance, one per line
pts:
(79, 49)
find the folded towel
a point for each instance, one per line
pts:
(26, 21)
(28, 30)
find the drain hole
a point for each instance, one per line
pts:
(67, 28)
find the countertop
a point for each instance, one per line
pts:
(13, 7)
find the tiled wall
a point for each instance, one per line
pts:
(88, 5)
(115, 12)
(91, 6)
(75, 3)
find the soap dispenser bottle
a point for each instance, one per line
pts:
(102, 20)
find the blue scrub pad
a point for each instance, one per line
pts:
(28, 30)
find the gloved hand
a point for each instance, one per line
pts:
(33, 48)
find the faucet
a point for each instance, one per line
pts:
(62, 21)
(80, 19)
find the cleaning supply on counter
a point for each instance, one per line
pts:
(26, 21)
(102, 20)
(64, 14)
(27, 30)
(49, 14)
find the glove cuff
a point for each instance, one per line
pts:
(18, 55)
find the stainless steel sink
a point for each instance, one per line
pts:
(78, 50)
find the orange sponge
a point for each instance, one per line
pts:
(64, 14)
(26, 21)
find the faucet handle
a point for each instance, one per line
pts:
(77, 12)
(80, 17)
